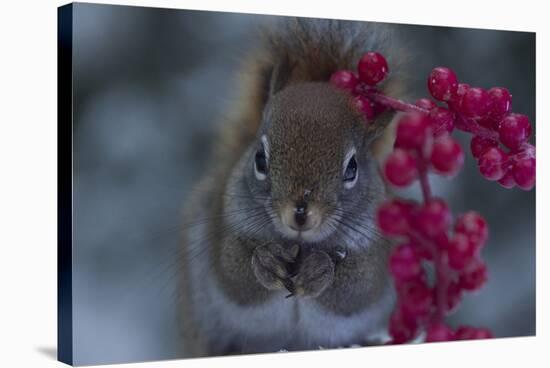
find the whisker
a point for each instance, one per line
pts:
(193, 249)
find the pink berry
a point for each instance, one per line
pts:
(425, 103)
(524, 172)
(472, 333)
(500, 103)
(400, 168)
(364, 105)
(473, 276)
(416, 298)
(393, 217)
(402, 328)
(442, 121)
(442, 83)
(439, 332)
(514, 130)
(447, 156)
(475, 103)
(492, 163)
(473, 225)
(478, 145)
(372, 68)
(412, 131)
(441, 240)
(344, 79)
(461, 250)
(423, 252)
(433, 218)
(379, 108)
(488, 122)
(456, 100)
(405, 264)
(508, 180)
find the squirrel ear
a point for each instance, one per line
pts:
(280, 75)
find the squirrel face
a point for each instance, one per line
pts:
(311, 160)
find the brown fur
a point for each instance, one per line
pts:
(285, 95)
(312, 53)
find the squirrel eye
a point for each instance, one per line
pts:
(260, 164)
(350, 173)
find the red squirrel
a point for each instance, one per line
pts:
(289, 256)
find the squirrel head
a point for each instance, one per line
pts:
(312, 160)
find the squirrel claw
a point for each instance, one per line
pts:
(289, 285)
(270, 266)
(292, 273)
(294, 250)
(341, 254)
(316, 274)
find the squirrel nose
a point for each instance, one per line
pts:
(300, 213)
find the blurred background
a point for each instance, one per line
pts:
(150, 86)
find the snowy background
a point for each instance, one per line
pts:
(149, 88)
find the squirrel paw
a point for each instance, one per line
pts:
(315, 275)
(272, 265)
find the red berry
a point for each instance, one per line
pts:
(393, 217)
(472, 333)
(514, 130)
(461, 250)
(492, 163)
(400, 168)
(416, 298)
(439, 332)
(478, 145)
(475, 103)
(412, 131)
(402, 328)
(442, 83)
(379, 108)
(441, 241)
(454, 295)
(500, 103)
(473, 276)
(489, 123)
(364, 105)
(508, 180)
(344, 79)
(524, 172)
(425, 103)
(405, 264)
(372, 68)
(456, 100)
(473, 225)
(433, 218)
(423, 252)
(442, 121)
(447, 156)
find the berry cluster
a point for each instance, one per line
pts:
(499, 137)
(425, 231)
(371, 70)
(487, 115)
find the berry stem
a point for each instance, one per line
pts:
(394, 103)
(471, 126)
(441, 281)
(424, 181)
(461, 123)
